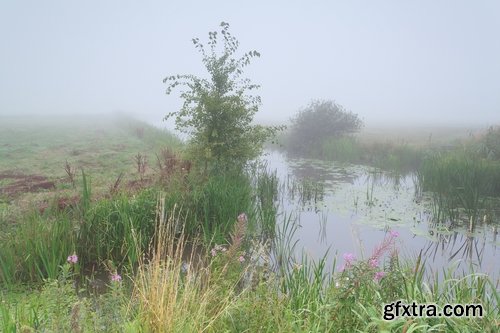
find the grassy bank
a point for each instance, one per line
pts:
(231, 289)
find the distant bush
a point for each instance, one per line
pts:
(489, 145)
(319, 121)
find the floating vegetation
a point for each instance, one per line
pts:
(304, 191)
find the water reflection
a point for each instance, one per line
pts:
(349, 208)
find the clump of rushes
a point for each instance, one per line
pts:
(461, 184)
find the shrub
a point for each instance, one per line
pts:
(319, 121)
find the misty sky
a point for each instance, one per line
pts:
(398, 61)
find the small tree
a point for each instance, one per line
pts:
(217, 112)
(319, 121)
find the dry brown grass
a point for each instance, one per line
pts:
(173, 296)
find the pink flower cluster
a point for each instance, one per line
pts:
(72, 259)
(116, 277)
(348, 258)
(386, 244)
(373, 262)
(378, 276)
(242, 218)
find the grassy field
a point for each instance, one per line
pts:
(170, 250)
(39, 156)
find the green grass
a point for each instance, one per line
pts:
(106, 143)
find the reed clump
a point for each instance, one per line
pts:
(463, 184)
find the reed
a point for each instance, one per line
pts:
(40, 247)
(462, 185)
(111, 227)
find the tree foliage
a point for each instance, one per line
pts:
(218, 111)
(319, 121)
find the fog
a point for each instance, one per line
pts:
(391, 62)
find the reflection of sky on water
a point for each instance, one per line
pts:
(359, 206)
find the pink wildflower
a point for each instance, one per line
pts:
(242, 218)
(373, 262)
(241, 259)
(72, 259)
(349, 258)
(213, 252)
(378, 276)
(116, 277)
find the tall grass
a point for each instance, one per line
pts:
(111, 227)
(304, 191)
(462, 184)
(213, 205)
(265, 185)
(40, 247)
(216, 203)
(343, 149)
(174, 296)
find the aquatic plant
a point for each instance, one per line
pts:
(461, 184)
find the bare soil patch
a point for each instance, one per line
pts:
(22, 183)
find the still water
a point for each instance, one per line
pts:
(353, 207)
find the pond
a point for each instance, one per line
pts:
(343, 208)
